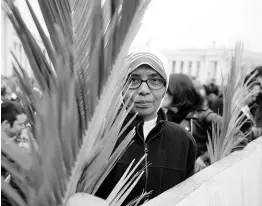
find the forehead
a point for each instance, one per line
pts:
(144, 70)
(21, 118)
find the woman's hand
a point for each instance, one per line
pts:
(199, 164)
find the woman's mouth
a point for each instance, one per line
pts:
(142, 104)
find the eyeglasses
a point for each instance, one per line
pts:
(153, 82)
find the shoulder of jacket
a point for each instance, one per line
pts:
(172, 125)
(178, 130)
(204, 112)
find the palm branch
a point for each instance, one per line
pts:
(227, 136)
(81, 83)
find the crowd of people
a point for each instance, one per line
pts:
(174, 116)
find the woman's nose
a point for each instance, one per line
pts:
(144, 89)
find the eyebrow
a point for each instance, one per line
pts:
(155, 75)
(150, 75)
(134, 75)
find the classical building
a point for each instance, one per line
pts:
(205, 64)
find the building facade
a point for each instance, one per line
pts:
(205, 64)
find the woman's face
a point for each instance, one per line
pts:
(146, 101)
(255, 91)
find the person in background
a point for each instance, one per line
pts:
(13, 119)
(184, 106)
(212, 92)
(258, 76)
(216, 105)
(14, 127)
(212, 88)
(258, 112)
(170, 149)
(201, 89)
(4, 95)
(250, 109)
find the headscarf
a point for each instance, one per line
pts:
(149, 56)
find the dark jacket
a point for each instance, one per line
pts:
(216, 105)
(211, 89)
(202, 125)
(258, 110)
(171, 151)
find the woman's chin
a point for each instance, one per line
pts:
(147, 111)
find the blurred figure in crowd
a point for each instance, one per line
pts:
(259, 74)
(184, 106)
(14, 127)
(212, 93)
(252, 109)
(13, 119)
(216, 104)
(212, 88)
(4, 94)
(201, 89)
(8, 95)
(258, 111)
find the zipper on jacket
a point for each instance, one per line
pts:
(146, 152)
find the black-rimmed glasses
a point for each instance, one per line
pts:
(152, 82)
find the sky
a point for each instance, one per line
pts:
(174, 24)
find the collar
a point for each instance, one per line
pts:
(150, 122)
(161, 119)
(161, 116)
(138, 125)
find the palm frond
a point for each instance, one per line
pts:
(227, 136)
(125, 184)
(42, 71)
(73, 94)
